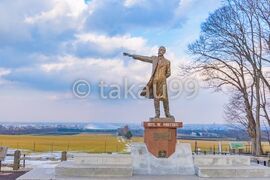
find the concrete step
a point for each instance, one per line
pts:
(96, 165)
(71, 169)
(252, 171)
(221, 160)
(103, 159)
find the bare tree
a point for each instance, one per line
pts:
(236, 115)
(232, 54)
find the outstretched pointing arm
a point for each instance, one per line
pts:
(138, 57)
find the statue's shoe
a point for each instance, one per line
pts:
(170, 116)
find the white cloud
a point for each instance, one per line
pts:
(57, 11)
(184, 7)
(63, 15)
(107, 43)
(109, 70)
(4, 72)
(60, 8)
(129, 3)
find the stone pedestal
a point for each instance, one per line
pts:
(179, 163)
(160, 136)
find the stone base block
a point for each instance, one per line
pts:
(221, 160)
(253, 171)
(227, 166)
(179, 163)
(96, 165)
(103, 159)
(69, 169)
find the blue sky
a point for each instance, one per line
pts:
(46, 45)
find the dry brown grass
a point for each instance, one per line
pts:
(83, 142)
(94, 143)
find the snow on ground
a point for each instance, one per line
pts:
(126, 142)
(128, 147)
(36, 160)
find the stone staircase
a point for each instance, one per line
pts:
(227, 166)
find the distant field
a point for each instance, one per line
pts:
(83, 142)
(213, 145)
(95, 143)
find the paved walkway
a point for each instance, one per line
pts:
(48, 174)
(170, 178)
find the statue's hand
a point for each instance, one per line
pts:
(127, 54)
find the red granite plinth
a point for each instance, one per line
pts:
(160, 137)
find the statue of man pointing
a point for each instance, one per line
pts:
(156, 87)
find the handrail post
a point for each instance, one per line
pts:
(64, 156)
(24, 161)
(17, 156)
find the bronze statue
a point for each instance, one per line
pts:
(156, 87)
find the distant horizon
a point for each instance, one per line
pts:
(60, 122)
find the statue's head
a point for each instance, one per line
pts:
(161, 50)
